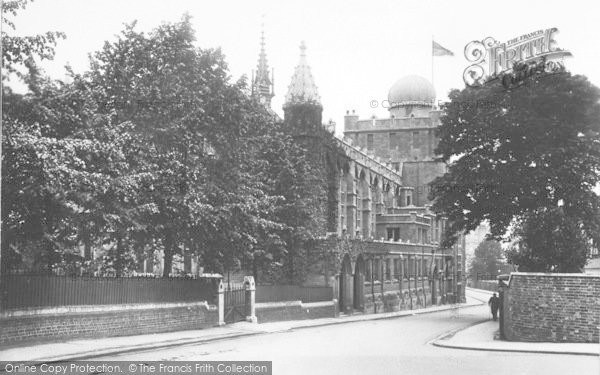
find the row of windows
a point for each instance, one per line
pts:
(394, 269)
(393, 234)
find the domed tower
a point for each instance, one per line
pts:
(302, 108)
(411, 96)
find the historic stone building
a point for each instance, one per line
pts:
(380, 230)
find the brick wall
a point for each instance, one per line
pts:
(552, 307)
(294, 310)
(100, 321)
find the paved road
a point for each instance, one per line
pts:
(394, 346)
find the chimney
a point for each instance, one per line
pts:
(350, 121)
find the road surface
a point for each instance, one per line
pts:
(392, 346)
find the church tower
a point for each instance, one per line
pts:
(302, 108)
(262, 82)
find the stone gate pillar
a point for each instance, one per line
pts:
(221, 302)
(250, 299)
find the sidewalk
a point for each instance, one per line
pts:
(481, 337)
(476, 337)
(80, 349)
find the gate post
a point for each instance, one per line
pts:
(221, 302)
(250, 299)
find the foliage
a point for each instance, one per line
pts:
(66, 169)
(20, 51)
(488, 260)
(196, 126)
(153, 148)
(531, 149)
(549, 241)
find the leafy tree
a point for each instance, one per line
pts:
(22, 51)
(549, 241)
(154, 147)
(79, 186)
(531, 149)
(65, 168)
(195, 127)
(488, 260)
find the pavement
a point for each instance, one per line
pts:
(475, 337)
(484, 336)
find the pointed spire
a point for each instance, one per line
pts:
(303, 88)
(262, 84)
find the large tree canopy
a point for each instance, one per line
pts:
(153, 148)
(512, 153)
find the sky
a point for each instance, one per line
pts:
(356, 49)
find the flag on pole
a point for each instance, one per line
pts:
(438, 50)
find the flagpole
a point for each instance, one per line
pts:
(432, 82)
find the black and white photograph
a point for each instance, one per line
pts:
(300, 187)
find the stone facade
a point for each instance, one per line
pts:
(552, 307)
(375, 192)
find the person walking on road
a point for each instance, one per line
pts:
(494, 304)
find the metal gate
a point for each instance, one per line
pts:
(235, 303)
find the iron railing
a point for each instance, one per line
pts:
(37, 291)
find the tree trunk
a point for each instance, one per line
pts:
(87, 242)
(119, 256)
(168, 253)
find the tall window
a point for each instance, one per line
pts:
(357, 202)
(370, 142)
(393, 234)
(392, 141)
(388, 269)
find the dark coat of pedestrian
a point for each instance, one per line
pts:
(494, 304)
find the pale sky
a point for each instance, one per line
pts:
(356, 50)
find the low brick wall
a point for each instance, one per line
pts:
(101, 321)
(295, 310)
(552, 307)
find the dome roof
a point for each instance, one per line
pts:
(411, 90)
